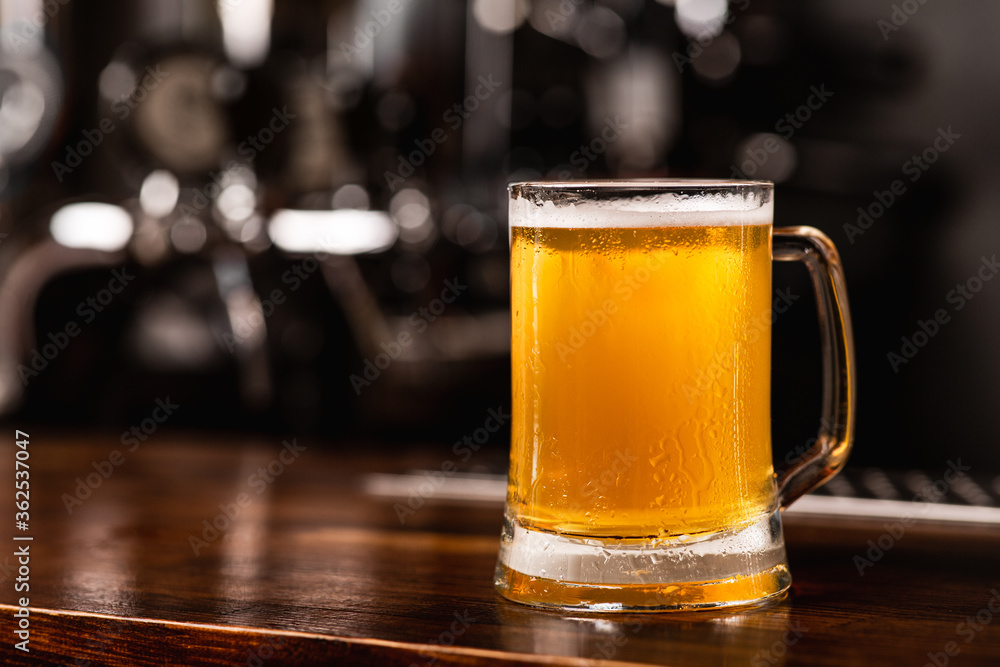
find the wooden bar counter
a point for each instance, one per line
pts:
(194, 550)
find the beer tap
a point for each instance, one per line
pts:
(159, 135)
(227, 176)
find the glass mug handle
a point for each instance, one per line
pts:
(836, 434)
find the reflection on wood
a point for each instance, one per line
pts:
(198, 552)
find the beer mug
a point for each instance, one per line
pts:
(641, 475)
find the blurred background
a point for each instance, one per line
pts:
(289, 216)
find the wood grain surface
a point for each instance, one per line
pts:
(312, 570)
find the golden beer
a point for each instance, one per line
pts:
(641, 475)
(641, 379)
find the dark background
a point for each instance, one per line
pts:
(703, 103)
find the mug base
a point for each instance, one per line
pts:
(738, 567)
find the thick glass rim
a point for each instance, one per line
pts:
(644, 184)
(565, 193)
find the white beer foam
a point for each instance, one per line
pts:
(664, 210)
